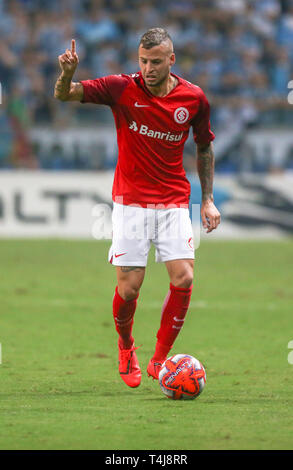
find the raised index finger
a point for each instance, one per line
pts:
(73, 46)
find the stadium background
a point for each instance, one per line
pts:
(239, 52)
(56, 163)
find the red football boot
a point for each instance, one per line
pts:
(128, 366)
(154, 368)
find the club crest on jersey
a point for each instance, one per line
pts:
(181, 115)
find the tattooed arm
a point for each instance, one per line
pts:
(65, 89)
(205, 168)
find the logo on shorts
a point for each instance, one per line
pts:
(120, 254)
(181, 115)
(190, 243)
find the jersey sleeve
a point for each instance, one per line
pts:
(201, 126)
(105, 90)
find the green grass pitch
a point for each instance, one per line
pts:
(60, 387)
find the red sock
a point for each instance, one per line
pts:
(123, 313)
(173, 314)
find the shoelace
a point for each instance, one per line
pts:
(126, 353)
(157, 365)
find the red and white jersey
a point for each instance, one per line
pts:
(151, 132)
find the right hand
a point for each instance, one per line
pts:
(69, 60)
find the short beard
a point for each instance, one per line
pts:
(158, 83)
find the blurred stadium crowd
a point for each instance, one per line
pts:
(239, 51)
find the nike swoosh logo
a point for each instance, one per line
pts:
(141, 105)
(121, 254)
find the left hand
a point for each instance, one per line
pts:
(210, 215)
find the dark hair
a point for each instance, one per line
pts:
(154, 37)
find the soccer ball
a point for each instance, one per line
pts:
(182, 377)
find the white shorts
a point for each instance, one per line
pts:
(136, 228)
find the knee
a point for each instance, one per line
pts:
(183, 279)
(128, 292)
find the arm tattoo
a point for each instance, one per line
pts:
(127, 269)
(205, 169)
(62, 87)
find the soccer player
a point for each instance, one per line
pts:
(153, 110)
